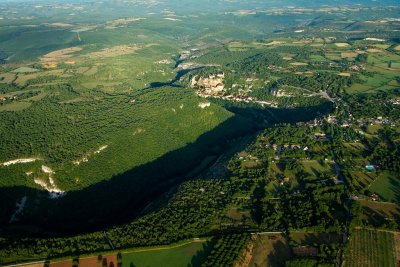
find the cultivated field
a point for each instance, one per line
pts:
(179, 256)
(371, 248)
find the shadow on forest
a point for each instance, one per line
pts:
(316, 239)
(201, 255)
(395, 187)
(121, 198)
(379, 219)
(280, 253)
(172, 83)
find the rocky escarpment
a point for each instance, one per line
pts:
(212, 84)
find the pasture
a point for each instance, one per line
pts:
(270, 250)
(378, 214)
(387, 187)
(363, 178)
(316, 168)
(180, 256)
(310, 238)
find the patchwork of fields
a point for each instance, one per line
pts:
(270, 129)
(183, 255)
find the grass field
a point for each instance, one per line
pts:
(378, 214)
(270, 252)
(373, 129)
(15, 106)
(182, 256)
(315, 167)
(364, 179)
(371, 248)
(387, 186)
(309, 239)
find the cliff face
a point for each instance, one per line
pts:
(212, 84)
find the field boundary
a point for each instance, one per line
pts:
(122, 251)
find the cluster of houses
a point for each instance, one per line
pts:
(375, 121)
(314, 123)
(334, 120)
(357, 67)
(321, 137)
(276, 147)
(374, 197)
(395, 101)
(191, 54)
(2, 99)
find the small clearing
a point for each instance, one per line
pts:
(7, 77)
(138, 131)
(298, 64)
(60, 55)
(114, 51)
(61, 24)
(19, 161)
(275, 43)
(172, 19)
(25, 70)
(342, 44)
(86, 157)
(244, 12)
(91, 71)
(349, 55)
(204, 105)
(374, 50)
(15, 106)
(375, 39)
(345, 74)
(100, 149)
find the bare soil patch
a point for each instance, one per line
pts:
(342, 44)
(7, 77)
(298, 64)
(61, 24)
(51, 59)
(107, 260)
(374, 50)
(66, 263)
(349, 55)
